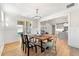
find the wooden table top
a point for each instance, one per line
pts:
(44, 37)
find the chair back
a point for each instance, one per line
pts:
(27, 40)
(26, 37)
(22, 37)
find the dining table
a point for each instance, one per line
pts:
(43, 37)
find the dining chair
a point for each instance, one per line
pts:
(54, 48)
(50, 51)
(23, 41)
(30, 44)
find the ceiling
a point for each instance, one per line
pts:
(29, 9)
(58, 20)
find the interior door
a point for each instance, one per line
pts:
(53, 29)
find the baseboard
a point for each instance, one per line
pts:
(12, 42)
(74, 47)
(1, 49)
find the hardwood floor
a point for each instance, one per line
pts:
(74, 51)
(14, 49)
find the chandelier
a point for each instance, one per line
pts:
(37, 17)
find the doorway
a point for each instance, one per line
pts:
(53, 29)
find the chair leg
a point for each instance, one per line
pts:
(55, 51)
(28, 51)
(23, 46)
(25, 49)
(35, 48)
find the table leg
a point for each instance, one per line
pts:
(28, 51)
(41, 47)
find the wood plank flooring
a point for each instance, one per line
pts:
(14, 49)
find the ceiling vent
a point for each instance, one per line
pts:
(70, 5)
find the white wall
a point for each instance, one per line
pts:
(74, 28)
(1, 32)
(10, 28)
